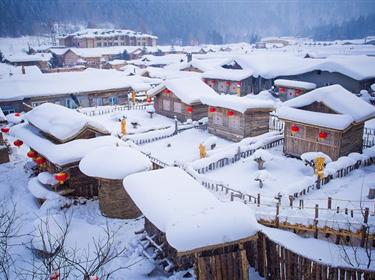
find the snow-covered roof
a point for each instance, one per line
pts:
(22, 57)
(189, 90)
(227, 74)
(236, 103)
(101, 32)
(202, 64)
(60, 154)
(294, 84)
(189, 215)
(166, 73)
(350, 107)
(96, 52)
(7, 70)
(373, 87)
(19, 87)
(61, 122)
(2, 116)
(114, 162)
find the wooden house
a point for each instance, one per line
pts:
(110, 165)
(188, 227)
(181, 98)
(229, 81)
(234, 118)
(58, 138)
(289, 89)
(329, 120)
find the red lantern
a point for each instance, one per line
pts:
(238, 84)
(54, 276)
(281, 90)
(189, 109)
(227, 83)
(294, 129)
(61, 177)
(212, 109)
(167, 91)
(40, 160)
(297, 92)
(214, 81)
(148, 100)
(230, 113)
(323, 135)
(18, 143)
(5, 129)
(32, 154)
(17, 114)
(94, 277)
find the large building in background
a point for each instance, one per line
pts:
(93, 38)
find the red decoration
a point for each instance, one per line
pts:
(40, 160)
(214, 81)
(189, 109)
(281, 90)
(94, 277)
(297, 92)
(323, 135)
(212, 109)
(32, 154)
(294, 129)
(5, 129)
(227, 83)
(167, 91)
(17, 114)
(61, 177)
(239, 84)
(148, 100)
(54, 276)
(230, 113)
(18, 143)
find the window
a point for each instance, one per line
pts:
(69, 103)
(99, 101)
(98, 44)
(166, 105)
(110, 44)
(234, 122)
(217, 118)
(8, 110)
(113, 100)
(105, 44)
(177, 107)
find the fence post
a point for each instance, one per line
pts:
(277, 214)
(291, 201)
(329, 202)
(365, 217)
(316, 220)
(258, 199)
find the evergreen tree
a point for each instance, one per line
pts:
(125, 55)
(54, 61)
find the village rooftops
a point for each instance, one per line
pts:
(294, 84)
(114, 162)
(189, 215)
(99, 33)
(189, 90)
(227, 74)
(23, 86)
(60, 154)
(96, 52)
(60, 122)
(239, 104)
(349, 108)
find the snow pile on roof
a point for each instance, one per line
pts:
(349, 108)
(202, 64)
(294, 84)
(60, 154)
(23, 57)
(2, 116)
(14, 118)
(61, 122)
(18, 87)
(227, 74)
(39, 191)
(114, 162)
(189, 90)
(189, 215)
(240, 104)
(7, 70)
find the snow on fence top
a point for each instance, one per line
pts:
(189, 215)
(114, 162)
(189, 90)
(18, 87)
(61, 122)
(294, 84)
(227, 74)
(239, 104)
(60, 154)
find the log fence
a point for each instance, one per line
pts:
(112, 109)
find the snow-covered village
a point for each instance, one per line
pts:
(150, 140)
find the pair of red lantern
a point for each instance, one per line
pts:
(295, 129)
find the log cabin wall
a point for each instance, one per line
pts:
(318, 107)
(82, 185)
(170, 105)
(230, 87)
(256, 122)
(352, 140)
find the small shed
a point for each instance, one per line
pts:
(110, 165)
(329, 120)
(234, 118)
(289, 89)
(181, 98)
(196, 229)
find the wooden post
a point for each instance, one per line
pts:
(346, 211)
(329, 202)
(258, 199)
(365, 218)
(363, 235)
(338, 209)
(277, 214)
(291, 201)
(316, 220)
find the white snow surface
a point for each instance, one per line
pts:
(294, 84)
(313, 155)
(227, 74)
(189, 215)
(114, 162)
(236, 103)
(61, 122)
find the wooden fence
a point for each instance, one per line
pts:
(274, 261)
(111, 109)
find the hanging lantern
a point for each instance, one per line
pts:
(238, 84)
(148, 100)
(214, 81)
(5, 129)
(18, 143)
(227, 83)
(297, 92)
(167, 91)
(230, 113)
(40, 160)
(212, 109)
(61, 177)
(17, 114)
(32, 154)
(281, 90)
(54, 276)
(189, 109)
(294, 129)
(323, 135)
